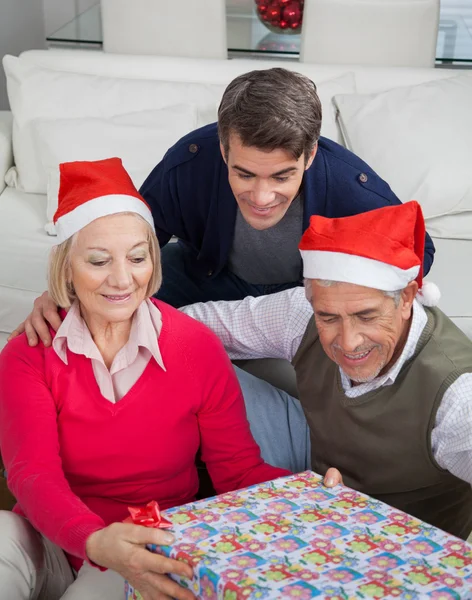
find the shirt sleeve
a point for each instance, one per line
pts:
(265, 327)
(228, 449)
(31, 453)
(451, 438)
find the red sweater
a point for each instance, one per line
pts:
(76, 461)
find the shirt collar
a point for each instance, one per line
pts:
(73, 334)
(418, 323)
(145, 329)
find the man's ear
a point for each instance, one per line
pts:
(222, 150)
(311, 158)
(408, 295)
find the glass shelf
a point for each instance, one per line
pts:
(247, 35)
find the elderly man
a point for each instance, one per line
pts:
(385, 382)
(235, 192)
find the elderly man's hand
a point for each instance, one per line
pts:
(122, 547)
(332, 478)
(44, 312)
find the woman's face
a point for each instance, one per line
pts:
(111, 267)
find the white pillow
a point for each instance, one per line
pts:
(327, 90)
(419, 139)
(37, 94)
(139, 139)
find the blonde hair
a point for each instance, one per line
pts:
(60, 285)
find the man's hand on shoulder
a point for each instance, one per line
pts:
(36, 325)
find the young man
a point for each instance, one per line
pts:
(384, 379)
(239, 193)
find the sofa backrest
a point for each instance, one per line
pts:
(368, 79)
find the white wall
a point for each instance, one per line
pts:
(59, 12)
(21, 28)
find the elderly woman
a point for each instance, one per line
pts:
(113, 413)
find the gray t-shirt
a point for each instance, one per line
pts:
(270, 256)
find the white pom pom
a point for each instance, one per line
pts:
(429, 294)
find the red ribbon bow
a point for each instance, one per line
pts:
(148, 516)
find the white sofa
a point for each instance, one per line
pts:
(61, 99)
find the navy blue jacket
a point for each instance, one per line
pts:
(190, 196)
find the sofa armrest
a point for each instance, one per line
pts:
(6, 150)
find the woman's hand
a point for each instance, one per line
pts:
(45, 313)
(122, 547)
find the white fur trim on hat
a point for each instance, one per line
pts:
(77, 219)
(429, 294)
(351, 268)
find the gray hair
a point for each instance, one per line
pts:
(270, 109)
(396, 295)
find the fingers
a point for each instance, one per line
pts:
(36, 327)
(147, 561)
(45, 313)
(16, 332)
(152, 596)
(161, 565)
(51, 314)
(31, 333)
(332, 478)
(137, 534)
(122, 547)
(161, 587)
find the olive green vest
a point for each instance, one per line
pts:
(381, 441)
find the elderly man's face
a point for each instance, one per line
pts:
(360, 328)
(264, 183)
(111, 267)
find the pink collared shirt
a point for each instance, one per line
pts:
(129, 363)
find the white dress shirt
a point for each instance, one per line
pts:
(273, 327)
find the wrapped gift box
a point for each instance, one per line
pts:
(294, 538)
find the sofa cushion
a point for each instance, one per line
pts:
(24, 249)
(6, 154)
(139, 139)
(450, 271)
(38, 94)
(418, 139)
(170, 68)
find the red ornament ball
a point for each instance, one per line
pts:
(274, 12)
(292, 13)
(282, 15)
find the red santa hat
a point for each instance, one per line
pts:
(90, 190)
(381, 249)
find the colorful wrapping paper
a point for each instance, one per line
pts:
(293, 538)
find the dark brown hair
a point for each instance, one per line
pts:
(270, 109)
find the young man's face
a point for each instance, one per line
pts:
(264, 183)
